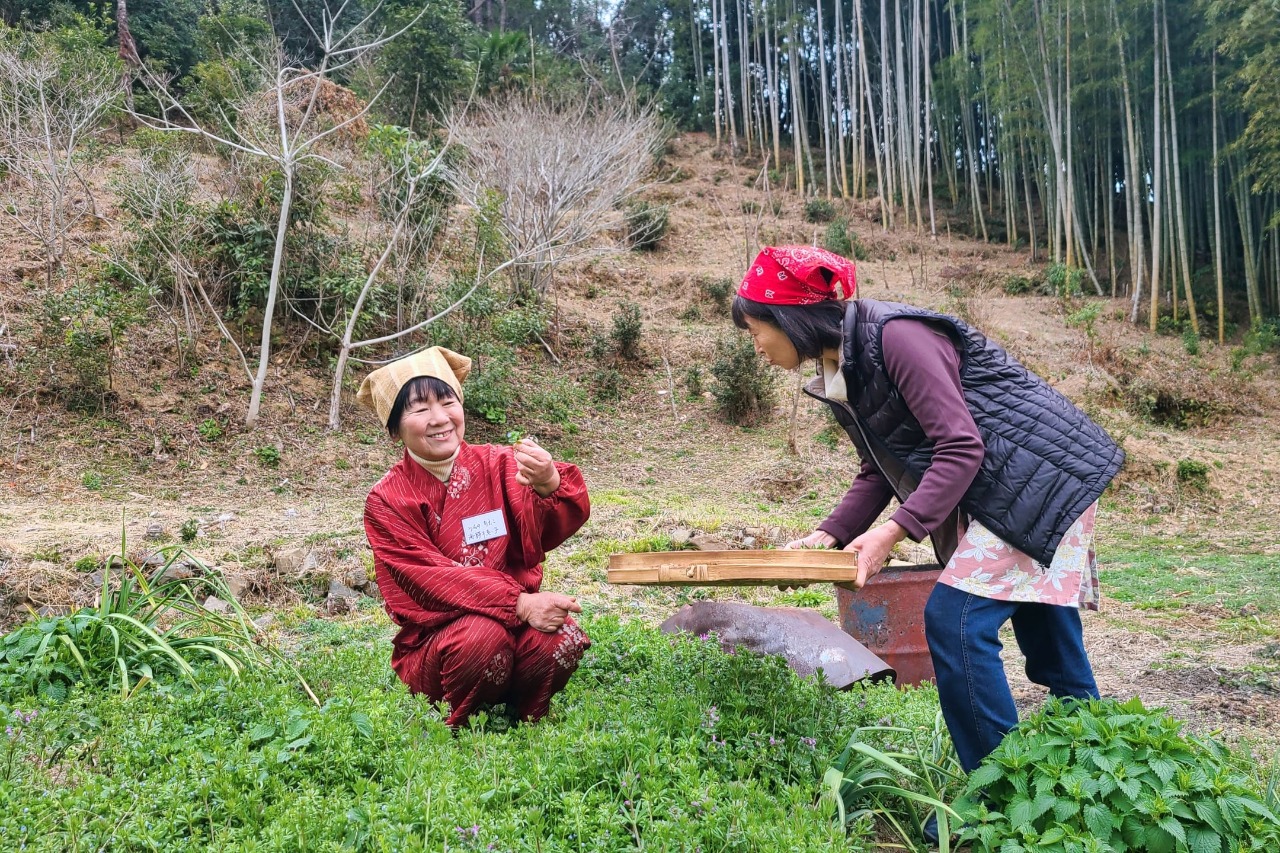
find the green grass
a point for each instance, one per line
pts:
(658, 743)
(1164, 577)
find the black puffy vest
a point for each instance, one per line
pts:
(1045, 460)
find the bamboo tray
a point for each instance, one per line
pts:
(733, 568)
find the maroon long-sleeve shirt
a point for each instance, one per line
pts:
(924, 364)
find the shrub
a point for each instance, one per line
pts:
(819, 210)
(744, 388)
(1065, 281)
(491, 326)
(1263, 337)
(693, 381)
(1190, 341)
(1106, 776)
(606, 385)
(1016, 285)
(1193, 474)
(837, 238)
(718, 290)
(646, 224)
(82, 327)
(627, 325)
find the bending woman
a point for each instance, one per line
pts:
(459, 533)
(998, 468)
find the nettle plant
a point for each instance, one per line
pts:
(1108, 777)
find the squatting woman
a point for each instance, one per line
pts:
(459, 532)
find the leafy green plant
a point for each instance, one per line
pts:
(627, 326)
(209, 429)
(911, 767)
(744, 389)
(1065, 282)
(717, 290)
(1193, 474)
(81, 331)
(92, 481)
(804, 598)
(606, 385)
(819, 210)
(268, 456)
(837, 238)
(1016, 285)
(693, 381)
(1190, 341)
(190, 530)
(1100, 775)
(646, 224)
(141, 629)
(727, 760)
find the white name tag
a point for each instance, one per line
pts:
(483, 527)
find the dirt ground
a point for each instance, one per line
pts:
(657, 461)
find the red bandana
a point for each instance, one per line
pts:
(798, 275)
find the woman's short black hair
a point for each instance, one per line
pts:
(810, 328)
(417, 389)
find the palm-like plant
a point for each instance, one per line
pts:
(918, 768)
(139, 630)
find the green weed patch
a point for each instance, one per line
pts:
(658, 743)
(1161, 578)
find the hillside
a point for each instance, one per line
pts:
(1198, 630)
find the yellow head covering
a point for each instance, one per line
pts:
(379, 390)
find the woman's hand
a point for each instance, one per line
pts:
(816, 539)
(535, 468)
(873, 549)
(546, 611)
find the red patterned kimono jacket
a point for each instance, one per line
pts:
(460, 640)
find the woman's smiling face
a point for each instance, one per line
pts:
(772, 344)
(432, 427)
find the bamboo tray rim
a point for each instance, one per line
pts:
(728, 568)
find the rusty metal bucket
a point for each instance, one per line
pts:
(887, 616)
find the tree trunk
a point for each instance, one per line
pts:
(1157, 209)
(825, 101)
(744, 60)
(273, 290)
(1217, 210)
(838, 45)
(1176, 173)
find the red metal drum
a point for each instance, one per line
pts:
(887, 616)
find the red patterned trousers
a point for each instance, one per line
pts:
(475, 661)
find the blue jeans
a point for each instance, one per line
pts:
(963, 634)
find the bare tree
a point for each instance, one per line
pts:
(561, 169)
(51, 101)
(292, 129)
(416, 179)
